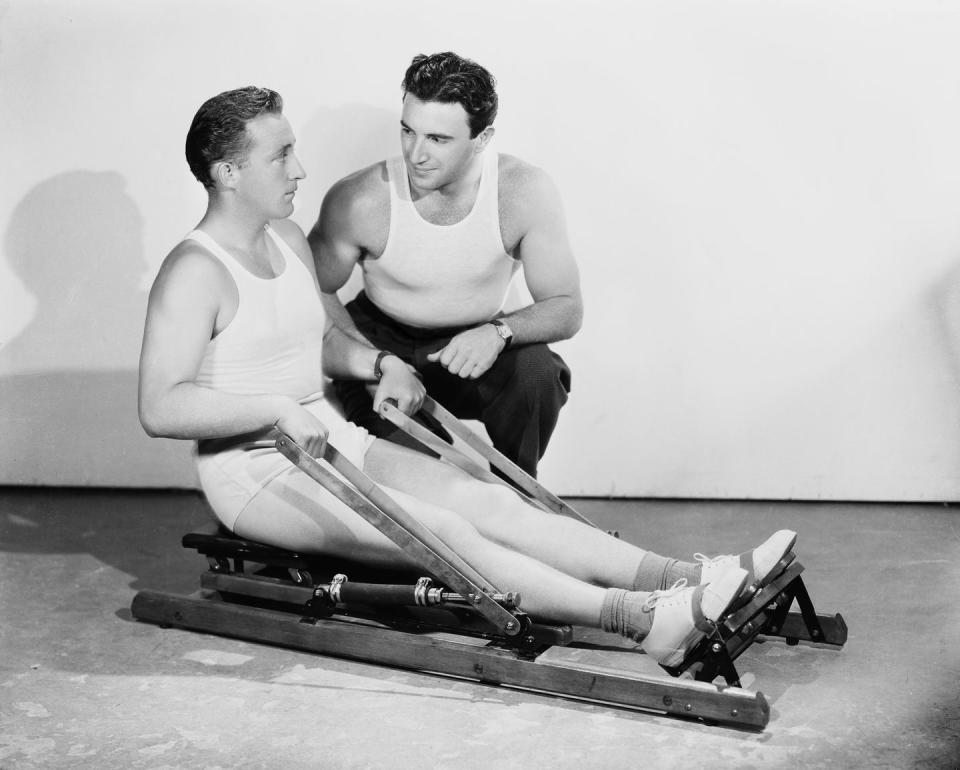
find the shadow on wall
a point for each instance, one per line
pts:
(68, 382)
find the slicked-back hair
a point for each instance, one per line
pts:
(447, 77)
(219, 129)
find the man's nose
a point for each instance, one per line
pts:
(297, 171)
(418, 151)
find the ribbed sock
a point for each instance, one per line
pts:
(655, 572)
(623, 613)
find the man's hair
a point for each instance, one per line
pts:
(446, 77)
(219, 129)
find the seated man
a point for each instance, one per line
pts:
(439, 233)
(232, 351)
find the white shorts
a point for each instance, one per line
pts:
(232, 478)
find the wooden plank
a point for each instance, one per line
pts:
(679, 697)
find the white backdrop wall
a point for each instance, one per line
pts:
(764, 197)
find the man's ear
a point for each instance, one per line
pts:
(483, 139)
(225, 172)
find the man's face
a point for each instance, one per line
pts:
(269, 175)
(436, 143)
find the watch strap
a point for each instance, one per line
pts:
(504, 331)
(377, 365)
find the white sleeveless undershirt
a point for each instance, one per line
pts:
(432, 276)
(273, 343)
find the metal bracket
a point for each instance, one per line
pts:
(533, 489)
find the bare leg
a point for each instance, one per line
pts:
(546, 592)
(295, 512)
(503, 517)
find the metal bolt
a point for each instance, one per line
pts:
(734, 712)
(667, 700)
(511, 625)
(688, 707)
(717, 647)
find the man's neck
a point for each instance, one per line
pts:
(232, 228)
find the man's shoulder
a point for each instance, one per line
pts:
(526, 192)
(190, 255)
(520, 179)
(369, 184)
(358, 202)
(188, 266)
(288, 230)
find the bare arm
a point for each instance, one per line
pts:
(551, 274)
(346, 358)
(336, 241)
(549, 267)
(349, 355)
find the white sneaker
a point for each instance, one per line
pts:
(683, 615)
(761, 563)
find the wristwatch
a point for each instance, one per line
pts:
(378, 364)
(505, 332)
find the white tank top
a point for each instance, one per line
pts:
(432, 276)
(274, 341)
(272, 345)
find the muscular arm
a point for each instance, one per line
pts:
(548, 264)
(532, 212)
(337, 240)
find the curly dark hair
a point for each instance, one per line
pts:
(219, 129)
(447, 77)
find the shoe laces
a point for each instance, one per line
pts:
(666, 593)
(711, 559)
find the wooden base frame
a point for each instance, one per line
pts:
(244, 598)
(463, 626)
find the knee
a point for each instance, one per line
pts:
(540, 373)
(449, 526)
(505, 512)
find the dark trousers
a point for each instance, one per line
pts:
(518, 399)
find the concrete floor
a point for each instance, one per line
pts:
(84, 685)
